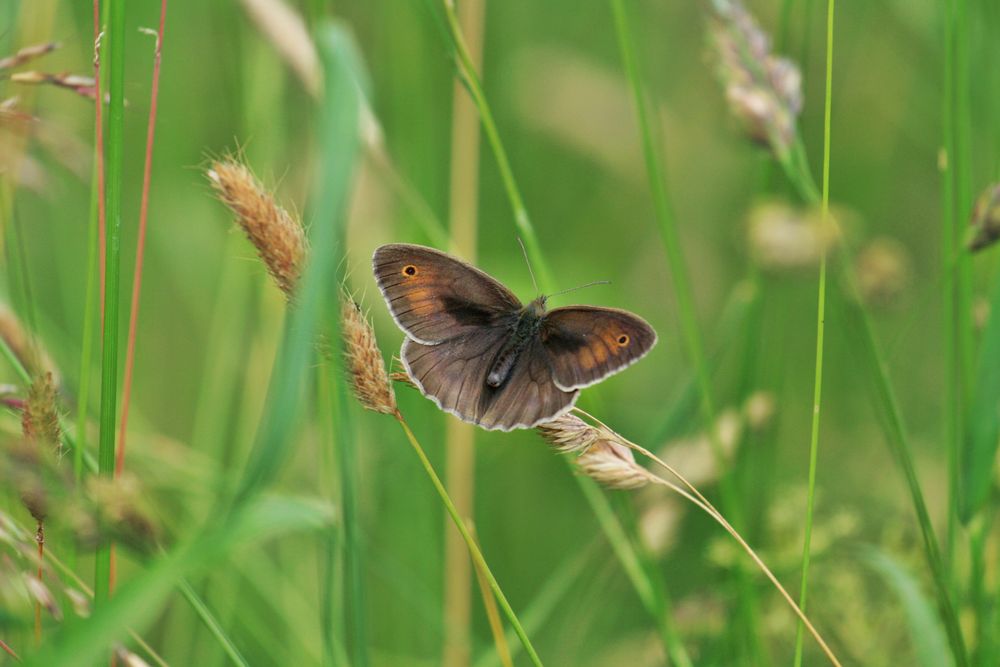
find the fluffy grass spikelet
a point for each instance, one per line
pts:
(279, 238)
(612, 464)
(985, 219)
(569, 434)
(764, 91)
(364, 361)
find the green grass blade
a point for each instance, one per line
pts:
(109, 344)
(983, 434)
(929, 642)
(314, 296)
(820, 335)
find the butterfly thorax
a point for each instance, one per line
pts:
(529, 321)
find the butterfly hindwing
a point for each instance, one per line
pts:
(586, 344)
(453, 375)
(434, 297)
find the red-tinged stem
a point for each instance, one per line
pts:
(140, 251)
(40, 539)
(99, 140)
(7, 649)
(140, 246)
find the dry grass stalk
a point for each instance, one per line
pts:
(287, 32)
(371, 383)
(26, 54)
(764, 91)
(687, 490)
(279, 238)
(985, 219)
(81, 85)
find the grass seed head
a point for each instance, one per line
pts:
(364, 360)
(764, 91)
(278, 237)
(784, 238)
(568, 433)
(613, 465)
(985, 219)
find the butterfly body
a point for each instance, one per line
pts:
(527, 326)
(475, 350)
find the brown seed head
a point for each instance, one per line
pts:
(364, 360)
(279, 238)
(568, 433)
(40, 418)
(884, 271)
(986, 219)
(613, 465)
(764, 91)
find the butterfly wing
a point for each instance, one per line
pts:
(453, 375)
(435, 297)
(586, 344)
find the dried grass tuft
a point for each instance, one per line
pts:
(569, 434)
(279, 238)
(612, 464)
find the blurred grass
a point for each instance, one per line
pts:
(552, 73)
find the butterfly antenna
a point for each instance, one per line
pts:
(524, 252)
(573, 289)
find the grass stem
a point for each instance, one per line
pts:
(474, 551)
(820, 335)
(109, 347)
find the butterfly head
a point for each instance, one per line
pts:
(537, 307)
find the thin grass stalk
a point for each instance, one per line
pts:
(680, 281)
(95, 253)
(894, 426)
(140, 251)
(898, 440)
(474, 551)
(109, 347)
(609, 522)
(949, 235)
(467, 71)
(140, 245)
(820, 334)
(460, 441)
(212, 624)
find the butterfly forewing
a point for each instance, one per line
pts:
(586, 344)
(434, 297)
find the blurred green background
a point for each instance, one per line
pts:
(211, 319)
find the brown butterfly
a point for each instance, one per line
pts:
(474, 349)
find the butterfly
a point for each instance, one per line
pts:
(480, 354)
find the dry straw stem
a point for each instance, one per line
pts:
(26, 54)
(364, 360)
(688, 491)
(764, 91)
(287, 32)
(279, 238)
(81, 85)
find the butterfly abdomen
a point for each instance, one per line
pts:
(521, 334)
